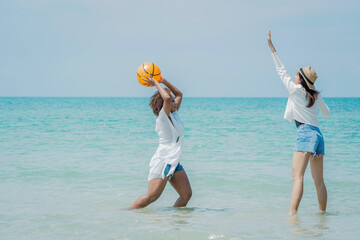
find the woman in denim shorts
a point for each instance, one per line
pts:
(303, 107)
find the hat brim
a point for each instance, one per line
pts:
(312, 87)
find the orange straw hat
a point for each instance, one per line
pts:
(309, 76)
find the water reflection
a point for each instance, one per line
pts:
(314, 227)
(168, 218)
(174, 218)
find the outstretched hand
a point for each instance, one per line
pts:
(271, 46)
(269, 37)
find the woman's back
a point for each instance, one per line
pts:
(301, 113)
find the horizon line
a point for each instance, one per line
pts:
(150, 96)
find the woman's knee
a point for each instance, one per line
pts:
(150, 198)
(186, 196)
(298, 178)
(153, 198)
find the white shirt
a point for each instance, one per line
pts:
(171, 136)
(296, 106)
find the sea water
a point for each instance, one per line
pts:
(69, 166)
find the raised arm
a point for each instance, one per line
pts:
(271, 46)
(280, 68)
(175, 91)
(164, 94)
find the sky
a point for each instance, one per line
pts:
(207, 48)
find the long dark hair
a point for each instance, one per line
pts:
(311, 95)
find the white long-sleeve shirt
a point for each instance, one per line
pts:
(296, 106)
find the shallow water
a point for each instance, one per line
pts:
(69, 164)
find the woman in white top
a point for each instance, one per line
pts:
(303, 107)
(165, 164)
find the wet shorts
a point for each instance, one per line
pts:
(310, 139)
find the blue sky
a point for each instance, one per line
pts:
(208, 48)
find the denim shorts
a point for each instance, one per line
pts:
(310, 139)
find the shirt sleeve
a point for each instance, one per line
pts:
(284, 76)
(323, 107)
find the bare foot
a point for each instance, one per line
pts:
(292, 212)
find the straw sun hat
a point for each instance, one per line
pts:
(309, 76)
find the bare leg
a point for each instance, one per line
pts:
(300, 161)
(181, 184)
(155, 188)
(317, 173)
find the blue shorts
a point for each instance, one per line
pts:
(310, 139)
(179, 167)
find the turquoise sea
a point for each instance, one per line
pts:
(69, 164)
